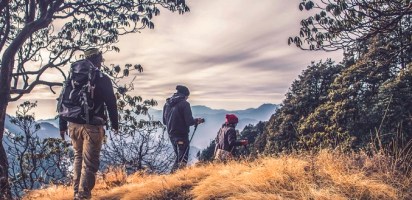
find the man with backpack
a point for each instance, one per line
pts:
(85, 94)
(226, 139)
(177, 116)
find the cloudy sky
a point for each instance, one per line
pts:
(232, 54)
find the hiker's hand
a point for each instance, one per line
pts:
(63, 133)
(199, 120)
(244, 142)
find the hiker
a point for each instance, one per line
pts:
(85, 96)
(226, 139)
(177, 116)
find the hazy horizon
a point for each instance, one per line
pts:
(229, 58)
(37, 111)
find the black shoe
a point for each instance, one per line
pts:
(82, 196)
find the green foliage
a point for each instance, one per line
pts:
(304, 96)
(49, 34)
(38, 36)
(256, 136)
(366, 96)
(207, 154)
(343, 106)
(340, 24)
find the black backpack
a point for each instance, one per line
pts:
(76, 99)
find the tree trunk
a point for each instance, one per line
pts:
(7, 65)
(5, 192)
(5, 78)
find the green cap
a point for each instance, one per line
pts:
(91, 52)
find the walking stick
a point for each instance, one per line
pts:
(193, 134)
(190, 141)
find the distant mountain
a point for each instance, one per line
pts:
(48, 128)
(192, 154)
(54, 122)
(9, 126)
(204, 133)
(216, 117)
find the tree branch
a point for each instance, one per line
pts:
(21, 92)
(3, 5)
(7, 24)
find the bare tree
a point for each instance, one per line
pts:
(38, 35)
(140, 144)
(138, 148)
(34, 162)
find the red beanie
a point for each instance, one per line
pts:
(231, 119)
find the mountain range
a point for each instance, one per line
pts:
(48, 128)
(214, 118)
(205, 132)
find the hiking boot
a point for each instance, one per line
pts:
(82, 196)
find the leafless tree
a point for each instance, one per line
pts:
(34, 162)
(140, 144)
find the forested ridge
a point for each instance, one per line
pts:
(361, 103)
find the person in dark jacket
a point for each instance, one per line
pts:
(87, 139)
(177, 116)
(226, 139)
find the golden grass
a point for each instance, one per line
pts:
(326, 175)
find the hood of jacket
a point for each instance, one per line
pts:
(176, 98)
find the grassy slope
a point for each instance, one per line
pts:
(324, 176)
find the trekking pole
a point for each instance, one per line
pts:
(246, 149)
(193, 134)
(188, 145)
(190, 141)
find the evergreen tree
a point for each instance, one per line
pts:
(304, 96)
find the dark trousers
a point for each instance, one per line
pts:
(181, 148)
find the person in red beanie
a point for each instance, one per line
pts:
(226, 139)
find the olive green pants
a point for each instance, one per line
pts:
(87, 143)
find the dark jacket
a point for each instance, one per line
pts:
(103, 95)
(226, 138)
(177, 115)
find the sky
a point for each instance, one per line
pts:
(231, 54)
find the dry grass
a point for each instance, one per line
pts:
(327, 175)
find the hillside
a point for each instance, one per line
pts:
(324, 176)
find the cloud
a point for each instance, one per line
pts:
(232, 54)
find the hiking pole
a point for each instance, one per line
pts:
(181, 157)
(190, 141)
(246, 149)
(188, 145)
(193, 134)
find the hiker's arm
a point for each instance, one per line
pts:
(62, 127)
(164, 113)
(187, 113)
(232, 139)
(62, 124)
(217, 140)
(110, 101)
